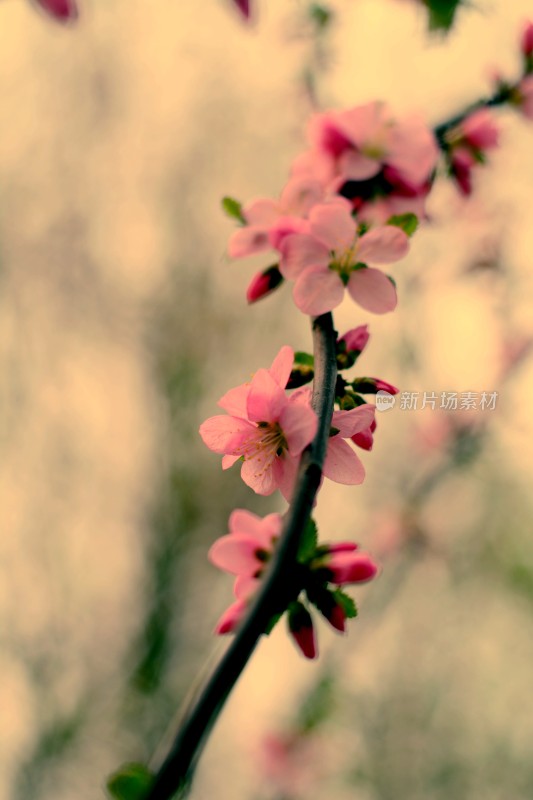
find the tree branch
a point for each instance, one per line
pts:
(278, 588)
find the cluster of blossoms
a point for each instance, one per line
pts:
(351, 203)
(246, 551)
(269, 422)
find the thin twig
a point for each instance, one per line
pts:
(279, 587)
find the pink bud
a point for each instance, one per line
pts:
(350, 568)
(356, 339)
(62, 10)
(263, 284)
(342, 547)
(244, 7)
(365, 439)
(462, 164)
(302, 631)
(231, 617)
(480, 130)
(524, 96)
(383, 386)
(337, 618)
(526, 44)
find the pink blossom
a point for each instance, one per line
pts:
(355, 144)
(462, 164)
(526, 44)
(342, 464)
(302, 630)
(333, 256)
(264, 427)
(248, 546)
(346, 567)
(231, 617)
(269, 221)
(61, 10)
(468, 142)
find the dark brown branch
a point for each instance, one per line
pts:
(279, 587)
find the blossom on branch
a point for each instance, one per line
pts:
(61, 10)
(264, 428)
(332, 256)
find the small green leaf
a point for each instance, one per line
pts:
(272, 623)
(130, 782)
(407, 222)
(308, 543)
(321, 15)
(305, 359)
(346, 602)
(233, 209)
(441, 14)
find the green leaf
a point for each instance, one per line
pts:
(407, 222)
(233, 209)
(272, 623)
(320, 15)
(441, 14)
(346, 602)
(130, 782)
(308, 543)
(306, 359)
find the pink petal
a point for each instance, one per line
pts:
(234, 401)
(355, 166)
(266, 398)
(333, 225)
(383, 245)
(299, 424)
(237, 554)
(258, 473)
(299, 251)
(229, 461)
(246, 241)
(224, 434)
(282, 366)
(413, 150)
(365, 123)
(300, 194)
(318, 290)
(263, 530)
(263, 212)
(353, 421)
(285, 470)
(342, 464)
(372, 290)
(231, 617)
(245, 587)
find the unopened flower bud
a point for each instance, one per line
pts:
(373, 386)
(264, 283)
(244, 7)
(351, 345)
(526, 44)
(61, 10)
(344, 567)
(365, 439)
(231, 617)
(302, 631)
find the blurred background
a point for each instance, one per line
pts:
(122, 322)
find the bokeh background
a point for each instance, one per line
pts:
(122, 322)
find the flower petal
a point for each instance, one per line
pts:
(373, 290)
(223, 434)
(258, 473)
(333, 225)
(263, 212)
(300, 194)
(231, 617)
(237, 554)
(318, 290)
(383, 245)
(282, 366)
(342, 464)
(263, 530)
(299, 251)
(299, 424)
(251, 239)
(266, 398)
(353, 421)
(285, 472)
(229, 461)
(234, 401)
(244, 587)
